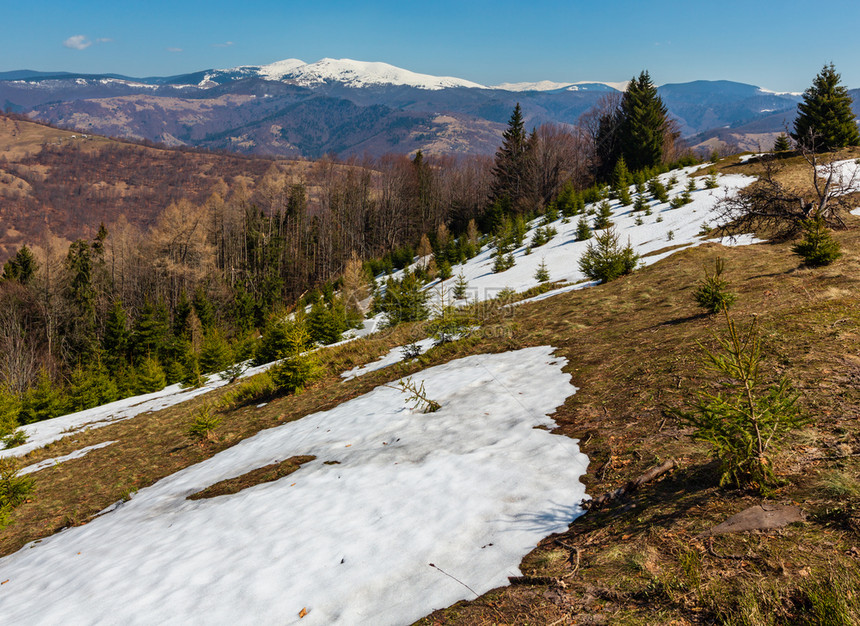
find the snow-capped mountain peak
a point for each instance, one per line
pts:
(279, 69)
(347, 72)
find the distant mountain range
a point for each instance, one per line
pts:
(345, 107)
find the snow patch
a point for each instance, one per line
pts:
(470, 488)
(62, 459)
(394, 356)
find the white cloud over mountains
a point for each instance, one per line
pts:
(78, 42)
(82, 42)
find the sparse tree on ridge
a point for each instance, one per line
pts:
(825, 120)
(645, 126)
(511, 168)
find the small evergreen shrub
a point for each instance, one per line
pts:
(202, 427)
(215, 352)
(818, 247)
(14, 439)
(712, 294)
(294, 373)
(14, 489)
(605, 259)
(444, 271)
(150, 377)
(542, 236)
(418, 396)
(583, 230)
(711, 180)
(604, 213)
(503, 262)
(680, 200)
(411, 351)
(658, 190)
(402, 300)
(542, 273)
(10, 408)
(461, 287)
(747, 421)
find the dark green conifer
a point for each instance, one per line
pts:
(203, 308)
(644, 129)
(150, 376)
(510, 172)
(781, 144)
(215, 353)
(41, 402)
(825, 120)
(818, 247)
(583, 230)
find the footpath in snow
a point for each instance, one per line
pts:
(470, 488)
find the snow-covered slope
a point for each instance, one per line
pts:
(548, 85)
(470, 488)
(665, 227)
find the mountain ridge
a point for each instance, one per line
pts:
(405, 99)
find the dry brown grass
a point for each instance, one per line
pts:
(265, 474)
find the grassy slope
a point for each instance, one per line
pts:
(631, 346)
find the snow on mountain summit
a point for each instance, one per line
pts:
(352, 74)
(279, 69)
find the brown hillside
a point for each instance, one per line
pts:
(67, 183)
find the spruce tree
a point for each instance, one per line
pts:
(825, 120)
(461, 287)
(22, 267)
(781, 144)
(203, 308)
(150, 377)
(115, 338)
(181, 312)
(621, 181)
(150, 331)
(605, 259)
(583, 230)
(510, 172)
(817, 248)
(41, 402)
(644, 128)
(604, 213)
(215, 353)
(542, 273)
(322, 325)
(10, 408)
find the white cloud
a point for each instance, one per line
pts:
(78, 42)
(174, 49)
(226, 44)
(104, 40)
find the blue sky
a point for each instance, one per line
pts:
(778, 45)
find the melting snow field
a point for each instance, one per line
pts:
(665, 227)
(470, 488)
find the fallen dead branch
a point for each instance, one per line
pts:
(650, 475)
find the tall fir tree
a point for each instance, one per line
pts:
(115, 338)
(80, 331)
(644, 130)
(825, 120)
(511, 169)
(22, 267)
